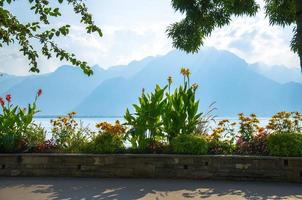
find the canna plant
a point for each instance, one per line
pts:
(162, 115)
(15, 122)
(181, 114)
(146, 123)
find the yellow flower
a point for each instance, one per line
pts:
(185, 71)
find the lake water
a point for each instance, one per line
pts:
(91, 122)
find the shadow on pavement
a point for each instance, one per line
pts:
(88, 188)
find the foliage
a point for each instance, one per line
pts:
(12, 30)
(15, 124)
(161, 116)
(257, 145)
(48, 146)
(285, 144)
(223, 147)
(189, 144)
(288, 122)
(202, 17)
(205, 120)
(248, 126)
(225, 130)
(105, 143)
(68, 134)
(34, 136)
(221, 141)
(108, 140)
(181, 110)
(146, 122)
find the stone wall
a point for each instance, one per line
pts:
(153, 166)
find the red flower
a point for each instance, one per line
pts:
(39, 92)
(2, 102)
(8, 98)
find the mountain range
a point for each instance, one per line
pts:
(223, 77)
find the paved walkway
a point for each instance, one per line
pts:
(87, 188)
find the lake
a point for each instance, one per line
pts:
(91, 122)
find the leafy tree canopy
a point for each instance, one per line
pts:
(25, 34)
(203, 16)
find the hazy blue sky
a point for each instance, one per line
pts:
(134, 29)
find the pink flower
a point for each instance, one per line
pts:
(2, 102)
(8, 98)
(39, 92)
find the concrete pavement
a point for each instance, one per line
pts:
(89, 188)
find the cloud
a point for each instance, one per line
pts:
(136, 29)
(256, 41)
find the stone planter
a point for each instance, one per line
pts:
(153, 166)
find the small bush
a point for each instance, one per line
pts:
(285, 144)
(256, 146)
(105, 143)
(34, 135)
(109, 139)
(189, 144)
(220, 147)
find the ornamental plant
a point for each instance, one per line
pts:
(285, 144)
(108, 140)
(257, 145)
(162, 115)
(16, 124)
(181, 114)
(221, 141)
(285, 122)
(68, 134)
(248, 126)
(189, 144)
(146, 123)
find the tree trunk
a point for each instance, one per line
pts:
(299, 28)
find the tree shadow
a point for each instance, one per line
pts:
(90, 188)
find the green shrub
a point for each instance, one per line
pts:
(34, 135)
(189, 144)
(285, 144)
(220, 147)
(105, 143)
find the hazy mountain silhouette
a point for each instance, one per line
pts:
(222, 77)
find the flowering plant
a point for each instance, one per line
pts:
(285, 122)
(15, 122)
(68, 134)
(115, 129)
(248, 126)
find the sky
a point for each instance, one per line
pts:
(135, 29)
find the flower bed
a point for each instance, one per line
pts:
(163, 121)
